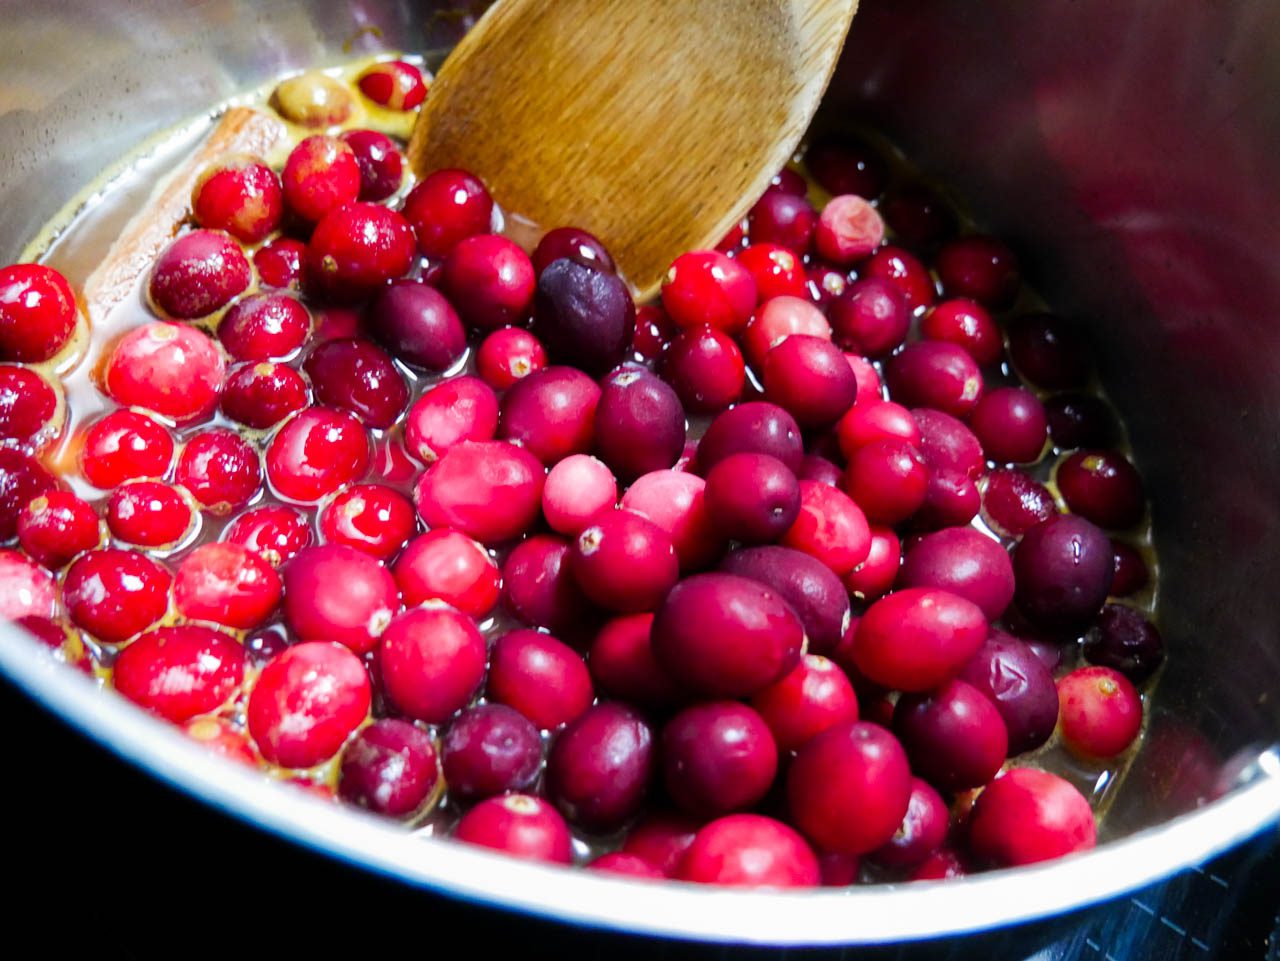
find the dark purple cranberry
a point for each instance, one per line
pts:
(263, 394)
(754, 427)
(600, 767)
(918, 216)
(1010, 422)
(1131, 570)
(551, 413)
(980, 268)
(706, 368)
(718, 757)
(263, 645)
(1049, 352)
(573, 243)
(954, 736)
(814, 593)
(845, 166)
(752, 498)
(1104, 487)
(783, 219)
(923, 830)
(965, 562)
(584, 316)
(1063, 568)
(639, 424)
(418, 325)
(539, 589)
(380, 161)
(490, 749)
(810, 379)
(1013, 503)
(1020, 685)
(951, 499)
(871, 317)
(1123, 639)
(1081, 420)
(389, 767)
(358, 376)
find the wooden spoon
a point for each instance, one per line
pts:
(654, 125)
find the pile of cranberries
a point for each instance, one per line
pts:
(766, 582)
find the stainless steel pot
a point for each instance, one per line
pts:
(1129, 149)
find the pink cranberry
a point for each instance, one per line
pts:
(1010, 674)
(273, 533)
(220, 469)
(369, 517)
(846, 166)
(584, 317)
(783, 219)
(830, 527)
(814, 697)
(264, 327)
(380, 161)
(848, 230)
(775, 269)
(519, 825)
(199, 273)
(279, 263)
(1081, 420)
(754, 427)
(1010, 422)
(307, 701)
(356, 249)
(639, 423)
(1049, 352)
(848, 787)
(358, 376)
(539, 589)
(875, 576)
(445, 207)
(263, 394)
(824, 283)
(600, 767)
(954, 736)
(489, 490)
(871, 317)
(1123, 639)
(417, 325)
(676, 502)
(1103, 487)
(507, 355)
(148, 514)
(490, 749)
(1063, 568)
(320, 175)
(32, 409)
(433, 660)
(56, 526)
(575, 244)
(623, 666)
(749, 850)
(775, 321)
(965, 562)
(917, 638)
(228, 585)
(551, 413)
(354, 616)
(171, 369)
(1100, 712)
(242, 197)
(393, 84)
(37, 313)
(115, 594)
(449, 566)
(221, 738)
(902, 269)
(577, 489)
(390, 767)
(541, 677)
(25, 589)
(455, 410)
(922, 832)
(22, 479)
(316, 452)
(180, 672)
(967, 325)
(624, 562)
(752, 498)
(726, 636)
(1025, 816)
(718, 757)
(936, 374)
(490, 281)
(708, 288)
(810, 379)
(706, 369)
(1013, 503)
(980, 268)
(918, 216)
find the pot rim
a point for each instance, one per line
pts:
(865, 915)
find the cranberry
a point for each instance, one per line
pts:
(904, 271)
(1081, 420)
(848, 229)
(489, 490)
(356, 249)
(316, 452)
(810, 379)
(220, 469)
(726, 636)
(917, 638)
(1063, 568)
(839, 870)
(585, 317)
(626, 865)
(445, 207)
(577, 489)
(871, 317)
(943, 864)
(980, 268)
(354, 616)
(369, 517)
(264, 326)
(846, 166)
(279, 263)
(1049, 352)
(922, 832)
(749, 850)
(947, 444)
(1100, 712)
(507, 355)
(417, 325)
(380, 161)
(262, 645)
(37, 313)
(624, 562)
(654, 331)
(1013, 503)
(456, 410)
(752, 497)
(877, 420)
(393, 84)
(708, 288)
(199, 273)
(812, 698)
(830, 527)
(1008, 672)
(754, 427)
(148, 514)
(551, 413)
(115, 594)
(1124, 640)
(320, 175)
(25, 589)
(788, 181)
(227, 584)
(918, 216)
(56, 526)
(519, 825)
(776, 320)
(180, 672)
(775, 269)
(273, 533)
(541, 677)
(171, 369)
(1025, 816)
(32, 409)
(263, 394)
(887, 479)
(539, 588)
(221, 738)
(1010, 422)
(718, 757)
(676, 502)
(490, 280)
(1103, 487)
(490, 749)
(449, 566)
(824, 283)
(390, 767)
(875, 576)
(22, 479)
(432, 660)
(848, 787)
(783, 219)
(967, 325)
(661, 839)
(600, 767)
(573, 243)
(308, 700)
(623, 666)
(936, 374)
(242, 197)
(817, 468)
(965, 562)
(358, 376)
(954, 735)
(639, 423)
(951, 499)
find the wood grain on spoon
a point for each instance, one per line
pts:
(652, 124)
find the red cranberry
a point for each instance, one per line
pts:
(393, 84)
(917, 638)
(357, 376)
(455, 410)
(965, 562)
(755, 427)
(199, 273)
(585, 317)
(356, 249)
(448, 566)
(273, 533)
(814, 697)
(519, 825)
(1049, 352)
(947, 444)
(171, 369)
(1025, 816)
(871, 317)
(654, 331)
(320, 175)
(600, 767)
(148, 514)
(846, 166)
(1063, 568)
(623, 666)
(1102, 486)
(226, 584)
(936, 374)
(354, 616)
(875, 576)
(490, 281)
(380, 161)
(954, 736)
(56, 526)
(824, 283)
(490, 749)
(1124, 640)
(1013, 503)
(810, 379)
(752, 498)
(369, 517)
(32, 410)
(726, 636)
(551, 413)
(624, 562)
(775, 321)
(242, 197)
(775, 269)
(902, 269)
(1081, 420)
(445, 207)
(708, 288)
(830, 527)
(22, 479)
(115, 594)
(308, 700)
(661, 840)
(577, 489)
(878, 420)
(639, 423)
(432, 659)
(626, 865)
(783, 219)
(887, 479)
(264, 327)
(676, 502)
(918, 216)
(417, 325)
(1010, 422)
(541, 677)
(26, 590)
(718, 757)
(316, 452)
(922, 832)
(180, 672)
(279, 263)
(1010, 674)
(749, 850)
(848, 230)
(980, 268)
(1100, 712)
(788, 181)
(390, 767)
(263, 394)
(507, 355)
(573, 243)
(539, 588)
(222, 738)
(220, 469)
(943, 864)
(967, 325)
(489, 490)
(839, 870)
(37, 313)
(848, 787)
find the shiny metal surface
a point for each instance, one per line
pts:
(1132, 153)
